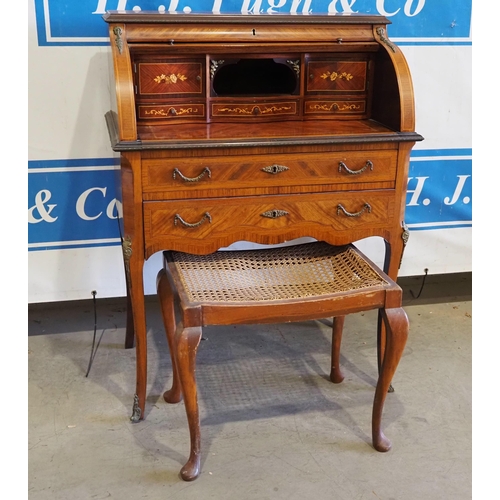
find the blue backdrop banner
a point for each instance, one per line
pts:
(70, 22)
(439, 191)
(72, 203)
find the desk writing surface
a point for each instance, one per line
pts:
(270, 133)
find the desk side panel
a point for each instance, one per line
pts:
(127, 126)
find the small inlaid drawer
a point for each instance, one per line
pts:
(336, 76)
(254, 109)
(171, 111)
(173, 78)
(327, 107)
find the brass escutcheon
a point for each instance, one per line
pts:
(274, 214)
(275, 169)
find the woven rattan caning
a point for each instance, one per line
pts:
(307, 270)
(300, 282)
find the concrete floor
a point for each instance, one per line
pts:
(273, 426)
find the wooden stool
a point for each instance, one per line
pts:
(300, 282)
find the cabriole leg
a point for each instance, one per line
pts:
(188, 340)
(397, 326)
(139, 315)
(166, 296)
(336, 375)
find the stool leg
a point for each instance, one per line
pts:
(336, 375)
(166, 296)
(381, 340)
(397, 327)
(188, 340)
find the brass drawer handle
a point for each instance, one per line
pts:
(205, 217)
(177, 172)
(366, 208)
(275, 169)
(342, 165)
(274, 214)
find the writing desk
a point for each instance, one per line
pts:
(260, 128)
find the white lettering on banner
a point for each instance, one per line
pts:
(245, 7)
(273, 6)
(381, 9)
(80, 204)
(172, 6)
(408, 4)
(217, 5)
(296, 4)
(417, 192)
(114, 209)
(102, 7)
(407, 8)
(345, 4)
(411, 8)
(458, 191)
(41, 198)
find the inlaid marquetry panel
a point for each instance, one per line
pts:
(326, 107)
(336, 76)
(171, 111)
(170, 78)
(254, 109)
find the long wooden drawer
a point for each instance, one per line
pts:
(267, 174)
(213, 223)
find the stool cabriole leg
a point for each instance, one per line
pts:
(397, 327)
(188, 340)
(336, 375)
(166, 295)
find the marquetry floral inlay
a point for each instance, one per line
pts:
(171, 111)
(168, 79)
(335, 106)
(259, 109)
(337, 76)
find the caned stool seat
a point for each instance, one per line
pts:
(298, 282)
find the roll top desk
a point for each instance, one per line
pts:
(261, 128)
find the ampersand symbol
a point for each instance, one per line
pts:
(41, 198)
